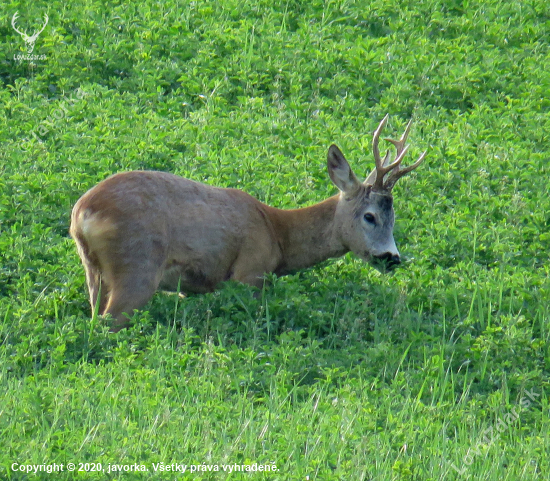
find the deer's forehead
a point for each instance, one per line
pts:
(382, 201)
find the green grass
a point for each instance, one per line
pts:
(336, 372)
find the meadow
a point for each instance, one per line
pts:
(438, 371)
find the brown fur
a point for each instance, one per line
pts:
(138, 231)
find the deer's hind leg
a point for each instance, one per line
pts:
(131, 281)
(96, 288)
(123, 270)
(93, 274)
(128, 291)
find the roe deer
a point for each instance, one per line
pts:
(138, 231)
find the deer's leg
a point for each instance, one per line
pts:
(252, 264)
(253, 279)
(128, 292)
(92, 269)
(130, 277)
(124, 262)
(95, 287)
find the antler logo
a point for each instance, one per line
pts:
(29, 40)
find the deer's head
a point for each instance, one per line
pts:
(29, 40)
(365, 215)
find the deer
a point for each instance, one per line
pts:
(139, 231)
(29, 40)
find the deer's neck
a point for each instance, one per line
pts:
(306, 236)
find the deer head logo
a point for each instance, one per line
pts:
(29, 40)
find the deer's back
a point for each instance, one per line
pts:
(195, 228)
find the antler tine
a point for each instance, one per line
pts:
(400, 147)
(376, 178)
(13, 19)
(381, 168)
(400, 144)
(46, 18)
(398, 173)
(376, 139)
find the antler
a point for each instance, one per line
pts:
(13, 19)
(383, 166)
(36, 34)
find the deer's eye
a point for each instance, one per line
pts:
(369, 218)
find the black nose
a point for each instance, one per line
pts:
(391, 260)
(395, 260)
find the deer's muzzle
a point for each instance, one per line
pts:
(387, 261)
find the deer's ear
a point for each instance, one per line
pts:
(340, 172)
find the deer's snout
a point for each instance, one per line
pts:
(388, 260)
